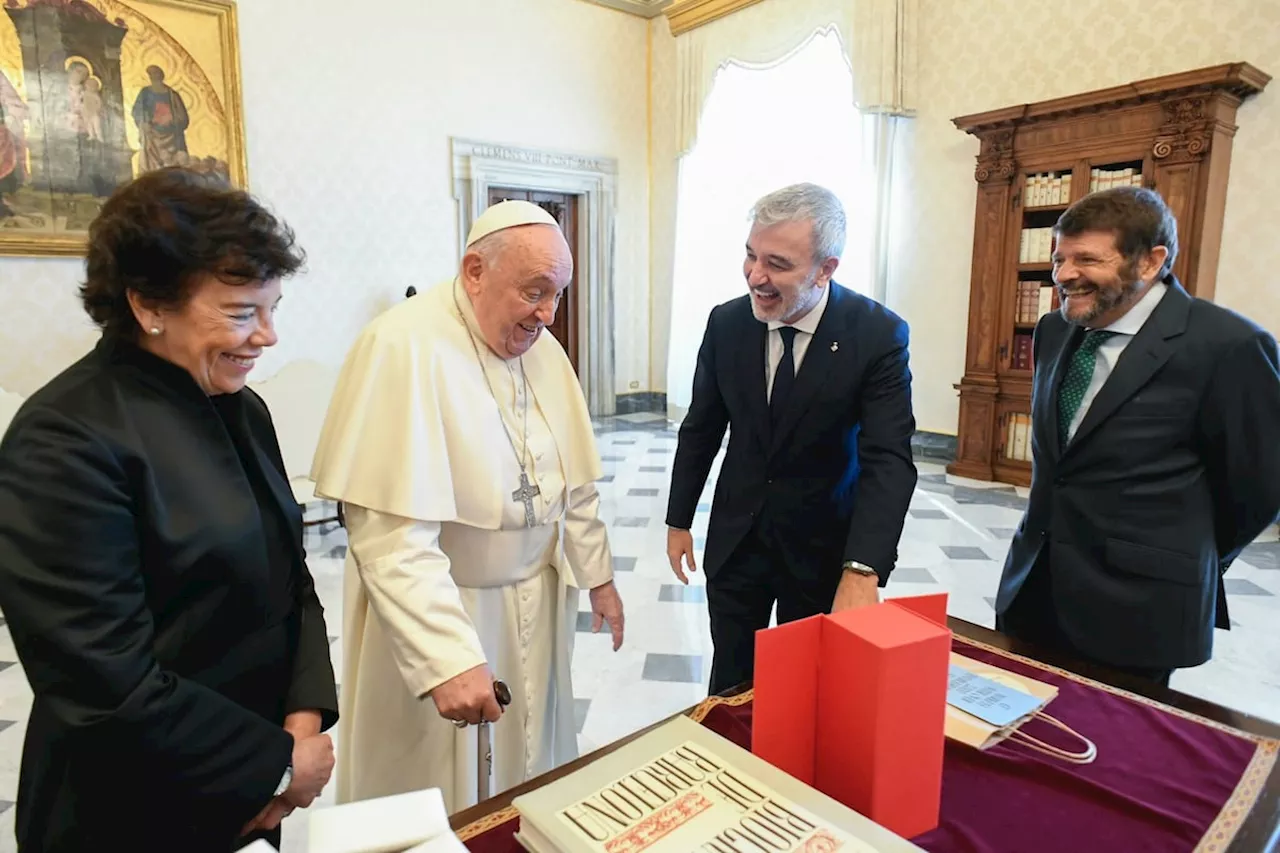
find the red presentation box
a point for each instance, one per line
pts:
(855, 705)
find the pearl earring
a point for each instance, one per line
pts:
(153, 331)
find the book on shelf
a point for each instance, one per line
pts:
(1017, 440)
(682, 788)
(1105, 179)
(1034, 300)
(1036, 246)
(1047, 190)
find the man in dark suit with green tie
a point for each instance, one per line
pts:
(1156, 450)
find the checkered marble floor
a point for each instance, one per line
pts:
(956, 536)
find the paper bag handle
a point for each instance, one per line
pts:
(1085, 757)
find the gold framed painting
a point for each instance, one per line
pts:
(96, 92)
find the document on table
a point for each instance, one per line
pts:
(988, 700)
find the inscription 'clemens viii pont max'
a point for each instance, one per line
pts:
(688, 800)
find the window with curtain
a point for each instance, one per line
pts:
(761, 129)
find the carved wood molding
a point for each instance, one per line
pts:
(1237, 79)
(685, 15)
(995, 158)
(1187, 132)
(639, 8)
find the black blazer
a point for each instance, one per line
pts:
(158, 598)
(1174, 469)
(835, 480)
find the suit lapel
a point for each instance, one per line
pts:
(1047, 411)
(1145, 354)
(755, 339)
(818, 361)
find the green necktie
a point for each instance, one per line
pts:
(1076, 382)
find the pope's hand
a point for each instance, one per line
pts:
(606, 606)
(680, 552)
(468, 697)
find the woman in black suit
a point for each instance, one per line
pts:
(151, 562)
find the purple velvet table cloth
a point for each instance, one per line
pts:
(1164, 780)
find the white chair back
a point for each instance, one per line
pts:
(298, 397)
(9, 405)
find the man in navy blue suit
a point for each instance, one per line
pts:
(812, 382)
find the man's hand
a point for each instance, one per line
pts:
(312, 766)
(856, 591)
(606, 606)
(468, 697)
(680, 552)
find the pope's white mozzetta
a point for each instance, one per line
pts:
(423, 445)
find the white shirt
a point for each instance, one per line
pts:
(1104, 360)
(806, 326)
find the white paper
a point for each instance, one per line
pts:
(385, 825)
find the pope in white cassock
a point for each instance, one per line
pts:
(459, 444)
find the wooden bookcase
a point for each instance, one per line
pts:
(1172, 134)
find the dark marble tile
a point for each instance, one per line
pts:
(338, 552)
(704, 507)
(618, 442)
(932, 478)
(1002, 532)
(991, 602)
(631, 522)
(653, 469)
(1260, 555)
(964, 552)
(1240, 586)
(649, 402)
(664, 451)
(607, 478)
(644, 493)
(680, 592)
(4, 724)
(613, 459)
(624, 564)
(988, 497)
(5, 664)
(331, 639)
(5, 805)
(932, 514)
(909, 575)
(684, 669)
(584, 621)
(580, 709)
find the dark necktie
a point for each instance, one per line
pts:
(1076, 382)
(785, 376)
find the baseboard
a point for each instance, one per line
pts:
(642, 401)
(934, 445)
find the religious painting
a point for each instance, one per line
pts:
(94, 93)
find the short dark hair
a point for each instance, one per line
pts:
(160, 230)
(1137, 216)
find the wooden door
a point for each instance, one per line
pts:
(565, 210)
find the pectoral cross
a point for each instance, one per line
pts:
(525, 494)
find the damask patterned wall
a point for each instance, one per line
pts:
(977, 56)
(349, 110)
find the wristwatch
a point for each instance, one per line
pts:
(856, 568)
(285, 781)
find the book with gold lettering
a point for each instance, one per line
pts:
(682, 788)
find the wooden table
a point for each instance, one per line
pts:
(1259, 834)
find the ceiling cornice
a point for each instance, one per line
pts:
(641, 8)
(685, 15)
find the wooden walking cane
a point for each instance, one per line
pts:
(485, 755)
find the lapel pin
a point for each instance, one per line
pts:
(835, 345)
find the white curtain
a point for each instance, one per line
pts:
(762, 128)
